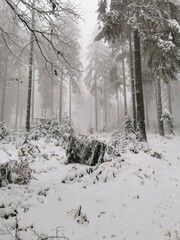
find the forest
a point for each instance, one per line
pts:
(89, 120)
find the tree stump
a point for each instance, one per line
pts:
(86, 151)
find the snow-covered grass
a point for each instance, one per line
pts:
(135, 196)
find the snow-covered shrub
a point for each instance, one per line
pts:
(17, 172)
(28, 151)
(100, 173)
(128, 125)
(3, 130)
(129, 143)
(168, 118)
(51, 128)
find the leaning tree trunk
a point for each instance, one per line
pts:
(139, 88)
(96, 105)
(132, 82)
(124, 82)
(159, 106)
(169, 97)
(60, 97)
(4, 90)
(31, 60)
(105, 104)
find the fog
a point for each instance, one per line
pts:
(91, 107)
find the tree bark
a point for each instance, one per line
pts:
(33, 95)
(17, 100)
(159, 107)
(118, 113)
(139, 88)
(4, 90)
(169, 97)
(132, 82)
(77, 111)
(124, 82)
(70, 98)
(147, 113)
(31, 60)
(60, 97)
(96, 105)
(52, 91)
(105, 104)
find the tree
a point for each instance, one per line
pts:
(44, 33)
(99, 65)
(115, 83)
(150, 22)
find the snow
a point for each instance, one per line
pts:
(139, 199)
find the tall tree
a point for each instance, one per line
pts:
(149, 20)
(99, 65)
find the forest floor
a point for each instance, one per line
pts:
(133, 197)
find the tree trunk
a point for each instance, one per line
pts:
(52, 91)
(159, 107)
(33, 95)
(96, 105)
(132, 83)
(77, 123)
(124, 82)
(139, 88)
(147, 113)
(118, 113)
(60, 97)
(70, 98)
(169, 97)
(90, 123)
(105, 104)
(4, 90)
(17, 100)
(31, 60)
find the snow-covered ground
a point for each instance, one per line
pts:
(133, 197)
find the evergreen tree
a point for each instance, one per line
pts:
(99, 64)
(151, 21)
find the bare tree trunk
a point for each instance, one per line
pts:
(96, 105)
(4, 90)
(45, 99)
(17, 100)
(90, 112)
(31, 60)
(159, 107)
(60, 97)
(132, 82)
(124, 82)
(147, 113)
(139, 88)
(169, 97)
(118, 113)
(52, 91)
(33, 95)
(105, 104)
(77, 110)
(70, 98)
